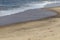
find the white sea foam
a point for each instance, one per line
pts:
(29, 6)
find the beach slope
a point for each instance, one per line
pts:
(46, 29)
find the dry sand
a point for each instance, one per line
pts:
(46, 29)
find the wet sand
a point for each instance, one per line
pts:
(46, 29)
(29, 15)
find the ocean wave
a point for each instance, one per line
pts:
(25, 7)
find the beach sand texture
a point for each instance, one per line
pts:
(46, 29)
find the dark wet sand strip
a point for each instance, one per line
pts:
(33, 14)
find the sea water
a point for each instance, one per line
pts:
(8, 7)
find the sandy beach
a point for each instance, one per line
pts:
(46, 29)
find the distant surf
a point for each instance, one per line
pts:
(27, 6)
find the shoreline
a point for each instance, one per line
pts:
(29, 15)
(47, 29)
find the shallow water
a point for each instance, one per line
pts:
(33, 14)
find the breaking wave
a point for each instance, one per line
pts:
(8, 10)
